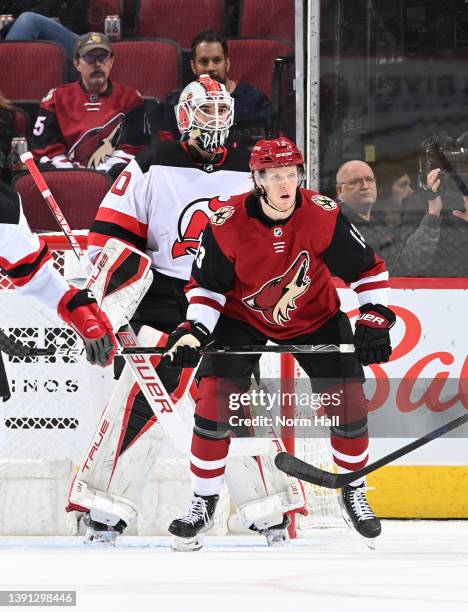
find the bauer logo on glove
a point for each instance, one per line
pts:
(372, 337)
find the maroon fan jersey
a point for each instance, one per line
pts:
(276, 275)
(75, 126)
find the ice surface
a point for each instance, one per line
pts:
(417, 565)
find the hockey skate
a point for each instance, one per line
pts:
(276, 535)
(101, 534)
(358, 514)
(189, 529)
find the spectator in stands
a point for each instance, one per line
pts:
(92, 123)
(394, 187)
(451, 215)
(408, 251)
(252, 108)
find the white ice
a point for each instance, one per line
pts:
(417, 565)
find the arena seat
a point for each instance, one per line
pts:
(78, 192)
(267, 18)
(30, 69)
(178, 20)
(252, 60)
(153, 66)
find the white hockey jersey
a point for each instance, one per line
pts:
(24, 256)
(163, 200)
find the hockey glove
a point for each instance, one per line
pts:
(371, 338)
(182, 347)
(79, 309)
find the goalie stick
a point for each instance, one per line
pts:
(310, 473)
(14, 348)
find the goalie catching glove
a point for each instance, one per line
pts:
(372, 338)
(183, 345)
(79, 309)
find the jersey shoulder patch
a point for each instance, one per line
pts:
(48, 95)
(222, 215)
(324, 202)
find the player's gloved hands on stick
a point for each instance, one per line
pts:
(371, 338)
(182, 347)
(79, 309)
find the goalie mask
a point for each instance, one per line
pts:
(206, 112)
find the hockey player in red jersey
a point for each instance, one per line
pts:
(263, 272)
(160, 204)
(24, 258)
(94, 122)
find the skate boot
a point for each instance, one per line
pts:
(101, 534)
(357, 512)
(277, 535)
(189, 529)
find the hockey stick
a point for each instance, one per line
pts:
(14, 348)
(150, 384)
(304, 471)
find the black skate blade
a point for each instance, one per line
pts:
(368, 542)
(304, 471)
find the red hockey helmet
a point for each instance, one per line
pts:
(275, 154)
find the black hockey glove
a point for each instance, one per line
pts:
(371, 338)
(182, 349)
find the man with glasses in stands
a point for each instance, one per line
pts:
(403, 248)
(94, 122)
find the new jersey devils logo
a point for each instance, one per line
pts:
(277, 298)
(97, 144)
(192, 221)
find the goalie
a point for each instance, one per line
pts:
(25, 259)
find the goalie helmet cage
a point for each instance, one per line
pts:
(56, 402)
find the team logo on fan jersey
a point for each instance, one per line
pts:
(222, 215)
(277, 298)
(97, 144)
(324, 202)
(48, 96)
(192, 221)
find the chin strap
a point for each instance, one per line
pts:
(267, 202)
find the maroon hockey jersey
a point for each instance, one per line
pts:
(276, 275)
(74, 126)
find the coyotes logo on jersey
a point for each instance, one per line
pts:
(277, 298)
(96, 145)
(192, 221)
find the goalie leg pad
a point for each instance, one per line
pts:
(262, 493)
(104, 507)
(108, 472)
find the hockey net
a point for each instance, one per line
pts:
(55, 405)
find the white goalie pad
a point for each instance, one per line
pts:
(110, 482)
(119, 279)
(261, 492)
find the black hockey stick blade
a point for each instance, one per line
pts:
(309, 473)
